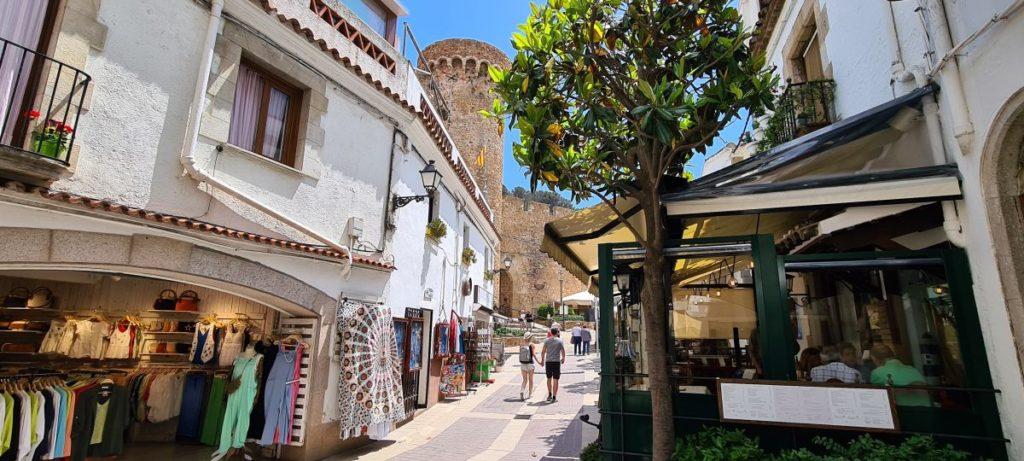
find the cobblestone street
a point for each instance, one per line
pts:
(493, 424)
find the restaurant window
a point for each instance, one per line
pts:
(265, 114)
(883, 326)
(374, 14)
(712, 322)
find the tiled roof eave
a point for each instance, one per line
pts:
(142, 214)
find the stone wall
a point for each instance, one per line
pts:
(521, 226)
(459, 67)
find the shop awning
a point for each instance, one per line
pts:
(902, 186)
(583, 298)
(572, 241)
(879, 157)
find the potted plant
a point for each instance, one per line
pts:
(489, 275)
(436, 230)
(468, 256)
(52, 139)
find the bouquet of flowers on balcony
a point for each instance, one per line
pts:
(52, 138)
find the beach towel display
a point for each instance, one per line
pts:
(370, 385)
(453, 378)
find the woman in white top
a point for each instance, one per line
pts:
(527, 357)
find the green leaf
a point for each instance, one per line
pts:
(646, 89)
(497, 75)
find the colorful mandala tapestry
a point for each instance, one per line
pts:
(370, 386)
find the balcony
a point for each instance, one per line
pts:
(802, 108)
(40, 104)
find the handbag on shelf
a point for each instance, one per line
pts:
(17, 297)
(42, 298)
(25, 325)
(166, 301)
(188, 301)
(18, 347)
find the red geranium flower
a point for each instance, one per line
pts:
(33, 114)
(66, 128)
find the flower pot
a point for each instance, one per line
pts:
(47, 146)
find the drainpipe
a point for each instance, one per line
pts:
(188, 159)
(897, 69)
(950, 219)
(952, 87)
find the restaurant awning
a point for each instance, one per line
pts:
(879, 157)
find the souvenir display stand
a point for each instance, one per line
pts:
(160, 362)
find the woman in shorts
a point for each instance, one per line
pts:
(527, 357)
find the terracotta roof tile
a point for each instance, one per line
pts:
(189, 223)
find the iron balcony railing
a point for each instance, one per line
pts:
(801, 109)
(40, 102)
(422, 68)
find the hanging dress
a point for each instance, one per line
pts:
(236, 413)
(204, 345)
(231, 346)
(121, 340)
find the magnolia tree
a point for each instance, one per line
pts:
(611, 99)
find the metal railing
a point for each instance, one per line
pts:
(422, 68)
(801, 109)
(41, 101)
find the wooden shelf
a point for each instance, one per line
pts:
(23, 332)
(182, 313)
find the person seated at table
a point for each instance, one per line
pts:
(835, 369)
(809, 358)
(891, 371)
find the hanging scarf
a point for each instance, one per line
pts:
(370, 385)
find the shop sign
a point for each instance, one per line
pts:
(823, 406)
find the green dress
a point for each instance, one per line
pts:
(236, 414)
(214, 418)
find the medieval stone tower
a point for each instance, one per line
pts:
(459, 67)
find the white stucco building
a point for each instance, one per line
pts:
(250, 150)
(876, 51)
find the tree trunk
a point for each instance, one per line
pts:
(654, 296)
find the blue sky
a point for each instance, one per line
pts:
(494, 21)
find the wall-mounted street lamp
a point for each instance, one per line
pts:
(507, 262)
(431, 179)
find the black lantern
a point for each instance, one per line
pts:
(622, 282)
(430, 177)
(431, 180)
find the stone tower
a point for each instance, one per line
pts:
(459, 67)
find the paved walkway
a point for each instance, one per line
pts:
(493, 424)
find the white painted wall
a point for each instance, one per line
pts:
(858, 47)
(133, 134)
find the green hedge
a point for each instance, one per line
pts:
(719, 444)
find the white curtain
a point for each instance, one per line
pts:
(246, 110)
(277, 110)
(21, 22)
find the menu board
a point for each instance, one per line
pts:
(863, 408)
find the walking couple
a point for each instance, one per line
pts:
(553, 353)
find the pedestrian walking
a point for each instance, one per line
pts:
(576, 340)
(585, 340)
(554, 356)
(527, 357)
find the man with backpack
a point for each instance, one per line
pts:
(554, 356)
(527, 357)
